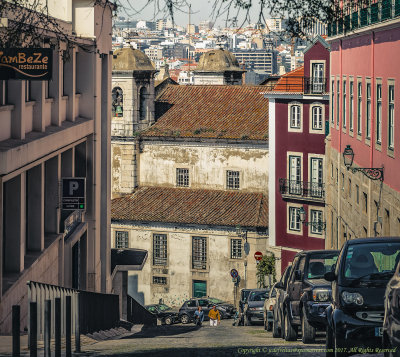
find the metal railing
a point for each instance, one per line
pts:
(307, 85)
(365, 14)
(90, 311)
(309, 190)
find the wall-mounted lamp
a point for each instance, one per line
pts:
(317, 225)
(373, 173)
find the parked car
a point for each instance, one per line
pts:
(254, 306)
(268, 309)
(280, 288)
(391, 322)
(308, 294)
(166, 314)
(186, 312)
(355, 316)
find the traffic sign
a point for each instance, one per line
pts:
(234, 273)
(73, 193)
(258, 255)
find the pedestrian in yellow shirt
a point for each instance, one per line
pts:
(214, 316)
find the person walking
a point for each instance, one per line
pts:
(214, 316)
(199, 316)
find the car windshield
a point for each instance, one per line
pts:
(163, 307)
(371, 261)
(151, 309)
(258, 295)
(319, 264)
(216, 301)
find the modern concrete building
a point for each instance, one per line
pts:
(259, 59)
(364, 121)
(50, 130)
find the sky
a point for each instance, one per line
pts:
(201, 10)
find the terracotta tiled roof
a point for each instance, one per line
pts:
(226, 112)
(291, 82)
(192, 206)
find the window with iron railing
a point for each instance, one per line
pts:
(160, 249)
(121, 239)
(199, 253)
(161, 280)
(236, 249)
(182, 177)
(232, 180)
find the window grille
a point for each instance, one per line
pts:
(232, 180)
(199, 253)
(236, 248)
(182, 177)
(162, 280)
(121, 239)
(159, 249)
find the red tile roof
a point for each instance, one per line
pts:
(226, 112)
(192, 206)
(291, 82)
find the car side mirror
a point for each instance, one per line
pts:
(330, 276)
(279, 285)
(297, 275)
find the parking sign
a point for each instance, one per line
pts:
(73, 193)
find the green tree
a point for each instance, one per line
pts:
(266, 267)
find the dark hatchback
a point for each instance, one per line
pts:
(166, 314)
(254, 307)
(391, 322)
(355, 316)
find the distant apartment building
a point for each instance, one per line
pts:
(154, 52)
(362, 151)
(261, 60)
(163, 24)
(206, 25)
(192, 29)
(274, 24)
(50, 130)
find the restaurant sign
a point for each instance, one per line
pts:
(26, 63)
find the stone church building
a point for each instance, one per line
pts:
(191, 189)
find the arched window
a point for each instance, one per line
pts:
(117, 102)
(143, 104)
(295, 116)
(317, 118)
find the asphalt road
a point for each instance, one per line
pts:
(223, 340)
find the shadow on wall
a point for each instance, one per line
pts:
(133, 289)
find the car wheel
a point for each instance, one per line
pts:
(290, 331)
(185, 319)
(308, 331)
(275, 329)
(168, 321)
(329, 342)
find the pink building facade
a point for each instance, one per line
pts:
(298, 114)
(364, 79)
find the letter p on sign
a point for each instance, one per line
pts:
(73, 186)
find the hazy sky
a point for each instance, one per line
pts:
(201, 10)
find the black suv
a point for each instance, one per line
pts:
(355, 316)
(186, 312)
(308, 294)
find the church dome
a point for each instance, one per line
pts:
(130, 59)
(218, 60)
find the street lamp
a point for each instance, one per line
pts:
(241, 233)
(373, 173)
(317, 225)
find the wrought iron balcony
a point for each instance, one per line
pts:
(364, 14)
(302, 190)
(306, 85)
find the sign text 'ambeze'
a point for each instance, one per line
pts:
(26, 63)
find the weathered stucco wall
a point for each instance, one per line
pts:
(207, 164)
(178, 270)
(123, 179)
